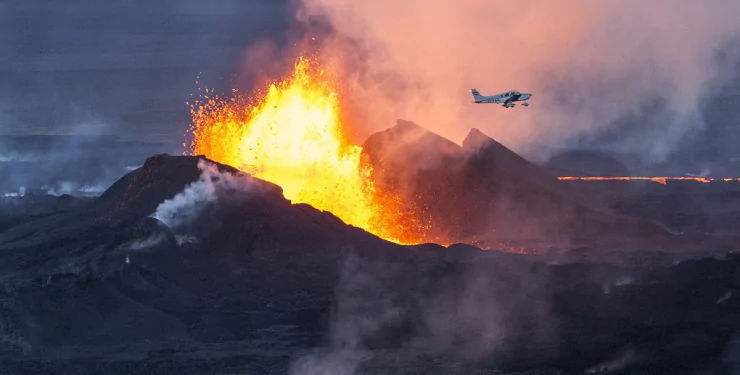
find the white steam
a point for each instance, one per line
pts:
(185, 207)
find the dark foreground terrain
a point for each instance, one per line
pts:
(190, 267)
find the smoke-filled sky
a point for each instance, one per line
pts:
(589, 64)
(630, 76)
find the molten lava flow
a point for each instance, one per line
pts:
(292, 136)
(659, 179)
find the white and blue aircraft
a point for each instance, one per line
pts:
(507, 98)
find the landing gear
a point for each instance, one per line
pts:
(526, 104)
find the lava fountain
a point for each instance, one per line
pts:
(291, 135)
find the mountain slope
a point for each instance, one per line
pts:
(186, 266)
(483, 193)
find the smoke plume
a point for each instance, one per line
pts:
(467, 314)
(632, 72)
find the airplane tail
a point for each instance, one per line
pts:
(476, 94)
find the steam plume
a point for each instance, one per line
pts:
(185, 207)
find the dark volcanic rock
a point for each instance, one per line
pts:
(408, 145)
(495, 160)
(108, 275)
(251, 283)
(483, 193)
(139, 193)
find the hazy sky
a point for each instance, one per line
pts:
(128, 67)
(122, 67)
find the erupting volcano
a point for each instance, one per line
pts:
(292, 136)
(349, 209)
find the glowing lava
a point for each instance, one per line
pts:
(659, 179)
(292, 136)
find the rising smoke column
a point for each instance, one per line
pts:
(589, 64)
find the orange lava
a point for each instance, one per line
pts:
(659, 179)
(291, 135)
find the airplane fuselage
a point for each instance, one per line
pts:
(507, 98)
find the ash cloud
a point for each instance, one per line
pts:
(626, 75)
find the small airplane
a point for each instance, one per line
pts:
(507, 98)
